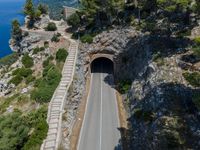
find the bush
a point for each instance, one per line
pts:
(43, 8)
(73, 20)
(87, 38)
(24, 132)
(9, 60)
(61, 55)
(23, 72)
(37, 121)
(27, 61)
(19, 74)
(193, 78)
(46, 44)
(38, 49)
(147, 116)
(36, 139)
(26, 33)
(51, 27)
(196, 100)
(55, 38)
(30, 79)
(46, 86)
(47, 61)
(16, 80)
(197, 41)
(124, 86)
(14, 131)
(196, 51)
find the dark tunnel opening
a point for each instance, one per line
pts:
(102, 65)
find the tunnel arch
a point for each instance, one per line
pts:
(102, 65)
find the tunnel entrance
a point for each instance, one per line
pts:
(102, 65)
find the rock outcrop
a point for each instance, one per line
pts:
(160, 105)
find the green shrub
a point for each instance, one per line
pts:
(61, 55)
(55, 38)
(193, 78)
(25, 132)
(183, 33)
(36, 139)
(87, 38)
(19, 74)
(30, 79)
(23, 72)
(9, 60)
(196, 51)
(46, 86)
(51, 27)
(73, 20)
(16, 80)
(47, 61)
(38, 49)
(43, 8)
(7, 102)
(14, 131)
(46, 44)
(124, 86)
(197, 41)
(27, 61)
(196, 100)
(37, 121)
(147, 116)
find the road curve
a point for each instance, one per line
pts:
(101, 121)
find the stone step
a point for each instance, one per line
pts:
(56, 104)
(52, 131)
(55, 108)
(58, 98)
(54, 117)
(55, 113)
(50, 144)
(53, 121)
(51, 136)
(49, 149)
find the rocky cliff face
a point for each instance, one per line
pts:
(160, 105)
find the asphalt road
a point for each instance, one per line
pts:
(100, 125)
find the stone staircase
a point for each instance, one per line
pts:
(56, 105)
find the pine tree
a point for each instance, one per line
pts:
(16, 31)
(29, 8)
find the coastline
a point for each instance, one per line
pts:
(9, 10)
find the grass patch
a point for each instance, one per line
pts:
(46, 85)
(27, 61)
(61, 55)
(196, 100)
(20, 74)
(196, 51)
(87, 39)
(147, 116)
(124, 86)
(7, 102)
(38, 49)
(9, 60)
(25, 132)
(197, 41)
(158, 59)
(193, 78)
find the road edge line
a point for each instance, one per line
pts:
(83, 123)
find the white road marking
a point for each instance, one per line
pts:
(101, 111)
(86, 108)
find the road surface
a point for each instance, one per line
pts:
(100, 125)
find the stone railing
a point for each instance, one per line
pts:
(56, 106)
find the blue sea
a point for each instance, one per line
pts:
(9, 10)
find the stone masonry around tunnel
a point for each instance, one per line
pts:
(101, 62)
